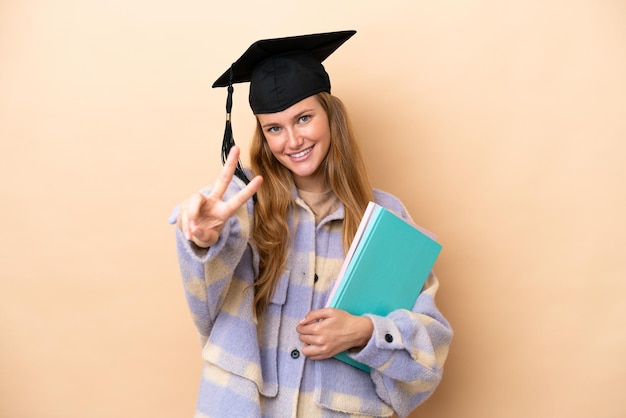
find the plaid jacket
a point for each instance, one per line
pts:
(254, 368)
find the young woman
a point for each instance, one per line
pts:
(259, 257)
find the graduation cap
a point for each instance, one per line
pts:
(281, 72)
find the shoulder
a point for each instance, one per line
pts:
(391, 202)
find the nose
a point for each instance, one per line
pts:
(295, 139)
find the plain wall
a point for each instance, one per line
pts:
(501, 126)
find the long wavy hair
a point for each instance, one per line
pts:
(345, 173)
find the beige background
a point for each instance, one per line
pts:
(501, 125)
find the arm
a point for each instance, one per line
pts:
(407, 351)
(221, 220)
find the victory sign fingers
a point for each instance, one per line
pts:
(202, 218)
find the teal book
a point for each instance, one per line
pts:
(385, 268)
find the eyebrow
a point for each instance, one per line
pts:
(303, 112)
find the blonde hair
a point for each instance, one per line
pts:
(345, 173)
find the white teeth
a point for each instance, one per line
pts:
(301, 154)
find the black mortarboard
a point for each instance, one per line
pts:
(281, 72)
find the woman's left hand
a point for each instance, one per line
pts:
(328, 331)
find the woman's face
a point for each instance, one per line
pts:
(299, 138)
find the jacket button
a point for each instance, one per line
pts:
(315, 278)
(388, 338)
(295, 354)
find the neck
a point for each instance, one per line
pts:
(315, 184)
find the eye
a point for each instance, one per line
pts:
(304, 118)
(273, 129)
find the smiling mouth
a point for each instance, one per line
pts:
(301, 153)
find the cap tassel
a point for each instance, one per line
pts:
(228, 142)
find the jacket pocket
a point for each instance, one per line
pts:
(344, 388)
(237, 346)
(233, 344)
(269, 331)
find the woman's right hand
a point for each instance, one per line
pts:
(201, 218)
